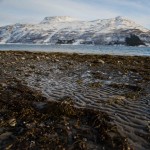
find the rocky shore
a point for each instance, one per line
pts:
(74, 101)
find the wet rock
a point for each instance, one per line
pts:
(95, 84)
(32, 144)
(119, 73)
(23, 58)
(120, 62)
(147, 102)
(30, 125)
(12, 122)
(38, 58)
(98, 61)
(40, 105)
(101, 61)
(148, 128)
(3, 85)
(47, 57)
(56, 60)
(134, 87)
(100, 75)
(6, 138)
(118, 97)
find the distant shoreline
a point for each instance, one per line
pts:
(79, 49)
(72, 53)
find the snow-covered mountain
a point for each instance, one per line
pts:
(52, 29)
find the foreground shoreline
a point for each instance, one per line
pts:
(116, 88)
(46, 53)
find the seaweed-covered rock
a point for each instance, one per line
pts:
(40, 124)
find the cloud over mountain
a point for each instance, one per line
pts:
(31, 10)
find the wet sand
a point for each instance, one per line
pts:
(111, 91)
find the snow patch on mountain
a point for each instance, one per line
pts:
(52, 29)
(57, 19)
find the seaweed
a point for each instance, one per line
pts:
(53, 125)
(29, 120)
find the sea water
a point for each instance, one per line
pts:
(85, 49)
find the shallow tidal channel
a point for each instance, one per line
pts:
(118, 86)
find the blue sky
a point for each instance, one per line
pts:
(33, 11)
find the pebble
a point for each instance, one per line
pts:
(12, 122)
(101, 61)
(119, 62)
(4, 84)
(118, 97)
(40, 105)
(23, 58)
(38, 57)
(32, 143)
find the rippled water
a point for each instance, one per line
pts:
(131, 115)
(89, 49)
(92, 85)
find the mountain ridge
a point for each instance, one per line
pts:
(58, 19)
(54, 28)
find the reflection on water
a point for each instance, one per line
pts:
(89, 49)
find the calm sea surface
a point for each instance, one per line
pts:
(88, 49)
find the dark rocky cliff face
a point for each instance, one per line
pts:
(133, 40)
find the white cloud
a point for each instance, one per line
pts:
(59, 7)
(35, 10)
(142, 20)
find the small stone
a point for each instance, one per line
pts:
(109, 77)
(75, 137)
(32, 144)
(40, 105)
(118, 97)
(4, 84)
(119, 73)
(9, 146)
(85, 139)
(30, 125)
(98, 61)
(148, 102)
(12, 122)
(38, 57)
(101, 61)
(23, 58)
(68, 128)
(56, 60)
